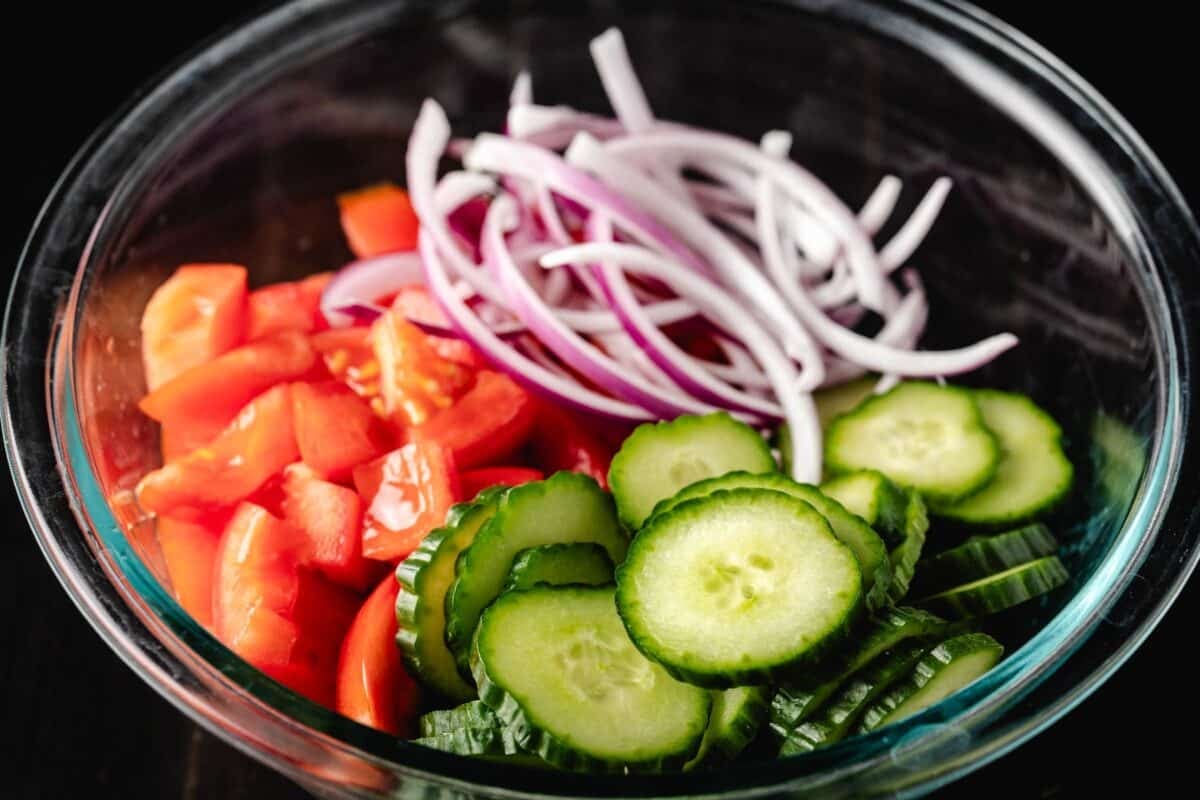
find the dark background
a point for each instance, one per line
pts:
(77, 723)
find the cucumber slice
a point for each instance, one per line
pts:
(866, 545)
(938, 674)
(566, 507)
(922, 435)
(659, 459)
(904, 556)
(981, 556)
(870, 495)
(797, 699)
(1033, 473)
(837, 718)
(998, 592)
(561, 564)
(837, 400)
(494, 740)
(737, 587)
(557, 667)
(421, 604)
(469, 715)
(736, 716)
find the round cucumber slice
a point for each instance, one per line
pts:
(557, 667)
(866, 545)
(837, 400)
(424, 579)
(870, 495)
(659, 459)
(1033, 473)
(494, 740)
(566, 507)
(904, 556)
(1001, 591)
(559, 565)
(737, 587)
(938, 674)
(922, 435)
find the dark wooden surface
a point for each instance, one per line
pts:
(77, 723)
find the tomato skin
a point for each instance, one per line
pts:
(272, 610)
(213, 393)
(290, 306)
(180, 438)
(406, 494)
(475, 481)
(196, 315)
(487, 424)
(257, 444)
(330, 517)
(189, 549)
(373, 688)
(378, 219)
(561, 442)
(336, 430)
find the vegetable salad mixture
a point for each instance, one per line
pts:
(614, 450)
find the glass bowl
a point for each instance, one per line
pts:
(1063, 227)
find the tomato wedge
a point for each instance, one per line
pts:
(476, 480)
(330, 517)
(373, 687)
(335, 430)
(272, 611)
(378, 219)
(257, 444)
(195, 316)
(213, 393)
(561, 442)
(294, 306)
(189, 548)
(487, 424)
(415, 382)
(416, 304)
(407, 494)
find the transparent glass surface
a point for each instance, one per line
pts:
(1063, 228)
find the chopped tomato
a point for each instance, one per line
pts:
(415, 382)
(336, 430)
(294, 306)
(274, 612)
(180, 438)
(198, 314)
(372, 686)
(348, 357)
(189, 548)
(330, 517)
(258, 443)
(415, 303)
(407, 494)
(487, 424)
(561, 442)
(475, 481)
(213, 393)
(378, 219)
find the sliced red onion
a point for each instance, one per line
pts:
(916, 227)
(503, 156)
(522, 90)
(731, 263)
(350, 294)
(428, 140)
(580, 354)
(798, 407)
(869, 353)
(678, 365)
(801, 185)
(879, 206)
(553, 127)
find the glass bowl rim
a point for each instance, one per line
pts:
(985, 700)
